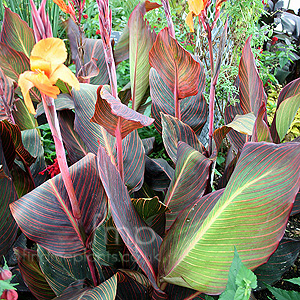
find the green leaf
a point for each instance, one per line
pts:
(16, 33)
(32, 274)
(283, 294)
(294, 280)
(22, 117)
(198, 249)
(121, 51)
(243, 123)
(285, 114)
(141, 39)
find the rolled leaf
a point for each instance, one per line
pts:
(189, 181)
(49, 210)
(32, 274)
(16, 33)
(252, 92)
(193, 109)
(175, 65)
(7, 99)
(141, 39)
(198, 249)
(108, 110)
(174, 131)
(261, 131)
(142, 242)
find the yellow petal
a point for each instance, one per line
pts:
(52, 50)
(65, 74)
(38, 64)
(196, 6)
(42, 82)
(25, 86)
(189, 21)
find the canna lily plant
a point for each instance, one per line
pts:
(117, 224)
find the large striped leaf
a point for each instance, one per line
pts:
(251, 214)
(7, 99)
(252, 92)
(193, 109)
(60, 272)
(279, 263)
(121, 51)
(22, 117)
(288, 93)
(175, 131)
(141, 39)
(32, 274)
(108, 110)
(105, 291)
(48, 209)
(189, 182)
(175, 66)
(74, 144)
(142, 242)
(8, 226)
(16, 33)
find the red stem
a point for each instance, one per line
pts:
(211, 54)
(211, 116)
(119, 149)
(91, 263)
(52, 119)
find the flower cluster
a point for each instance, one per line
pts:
(52, 170)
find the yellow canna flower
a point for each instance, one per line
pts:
(46, 63)
(195, 8)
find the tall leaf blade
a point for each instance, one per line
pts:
(32, 274)
(251, 215)
(189, 182)
(49, 210)
(142, 242)
(16, 33)
(252, 92)
(141, 39)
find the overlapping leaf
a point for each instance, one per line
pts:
(198, 249)
(252, 92)
(22, 117)
(175, 66)
(108, 110)
(189, 182)
(16, 33)
(8, 226)
(193, 109)
(141, 39)
(174, 131)
(142, 242)
(49, 210)
(32, 274)
(105, 291)
(60, 272)
(279, 263)
(121, 51)
(288, 93)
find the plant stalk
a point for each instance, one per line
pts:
(52, 119)
(212, 93)
(166, 6)
(119, 149)
(92, 267)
